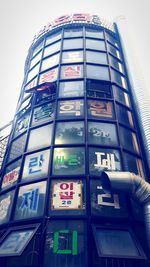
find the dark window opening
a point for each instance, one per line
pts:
(98, 89)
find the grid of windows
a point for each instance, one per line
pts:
(78, 123)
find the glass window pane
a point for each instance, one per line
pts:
(125, 246)
(51, 49)
(69, 89)
(116, 64)
(11, 175)
(22, 124)
(121, 96)
(98, 89)
(36, 165)
(65, 243)
(100, 109)
(94, 33)
(96, 57)
(33, 72)
(128, 139)
(114, 51)
(53, 38)
(30, 201)
(102, 133)
(6, 202)
(97, 72)
(69, 161)
(17, 147)
(49, 76)
(133, 164)
(43, 114)
(118, 78)
(50, 62)
(124, 116)
(71, 72)
(77, 32)
(70, 108)
(67, 197)
(37, 48)
(36, 59)
(72, 56)
(73, 43)
(111, 39)
(95, 44)
(40, 137)
(69, 133)
(104, 204)
(101, 159)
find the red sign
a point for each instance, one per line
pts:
(10, 178)
(48, 76)
(72, 72)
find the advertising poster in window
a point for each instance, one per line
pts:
(11, 175)
(22, 124)
(65, 242)
(103, 160)
(49, 76)
(31, 200)
(72, 72)
(69, 132)
(36, 165)
(100, 109)
(70, 108)
(6, 202)
(67, 195)
(69, 161)
(15, 242)
(43, 114)
(105, 204)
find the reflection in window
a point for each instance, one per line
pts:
(71, 72)
(116, 64)
(6, 202)
(112, 39)
(95, 44)
(101, 159)
(69, 133)
(102, 133)
(69, 89)
(17, 147)
(124, 116)
(53, 38)
(121, 96)
(73, 43)
(77, 32)
(51, 49)
(114, 51)
(100, 109)
(50, 62)
(118, 78)
(72, 56)
(11, 175)
(67, 197)
(31, 200)
(49, 76)
(133, 164)
(98, 89)
(94, 33)
(43, 114)
(70, 108)
(36, 165)
(97, 72)
(65, 242)
(40, 137)
(68, 161)
(96, 57)
(128, 140)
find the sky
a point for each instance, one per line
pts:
(20, 20)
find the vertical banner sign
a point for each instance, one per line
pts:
(60, 247)
(67, 195)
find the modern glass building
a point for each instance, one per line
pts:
(75, 117)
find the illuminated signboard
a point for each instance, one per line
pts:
(67, 195)
(74, 18)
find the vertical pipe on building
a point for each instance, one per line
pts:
(141, 97)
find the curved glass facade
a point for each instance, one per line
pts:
(74, 119)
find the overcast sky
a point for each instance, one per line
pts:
(21, 19)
